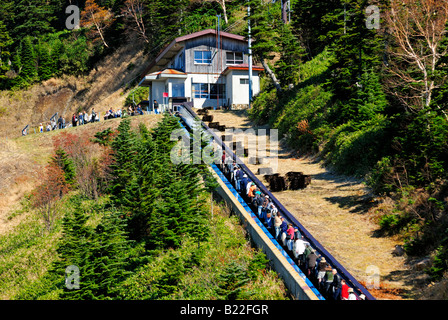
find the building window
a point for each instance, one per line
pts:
(244, 81)
(180, 62)
(217, 90)
(178, 90)
(234, 57)
(200, 90)
(209, 90)
(203, 57)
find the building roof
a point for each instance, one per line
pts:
(170, 50)
(210, 31)
(162, 74)
(244, 67)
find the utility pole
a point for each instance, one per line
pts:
(249, 51)
(218, 59)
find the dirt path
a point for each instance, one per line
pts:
(334, 209)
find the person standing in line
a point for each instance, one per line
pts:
(74, 120)
(251, 192)
(290, 237)
(259, 203)
(277, 225)
(337, 285)
(351, 294)
(344, 290)
(236, 179)
(321, 268)
(156, 107)
(328, 280)
(243, 183)
(269, 222)
(264, 209)
(311, 263)
(239, 178)
(93, 115)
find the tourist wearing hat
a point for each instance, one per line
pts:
(351, 294)
(321, 267)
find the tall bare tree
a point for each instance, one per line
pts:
(133, 11)
(417, 28)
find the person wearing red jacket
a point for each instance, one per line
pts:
(344, 290)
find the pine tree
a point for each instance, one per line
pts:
(56, 52)
(122, 167)
(263, 31)
(74, 244)
(232, 281)
(99, 253)
(62, 160)
(28, 72)
(5, 55)
(104, 265)
(356, 50)
(310, 25)
(288, 66)
(45, 66)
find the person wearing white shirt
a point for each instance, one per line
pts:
(299, 248)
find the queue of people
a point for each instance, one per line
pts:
(83, 118)
(325, 278)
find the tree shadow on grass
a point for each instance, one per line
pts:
(354, 204)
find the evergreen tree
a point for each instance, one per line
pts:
(62, 159)
(103, 266)
(123, 164)
(5, 55)
(34, 17)
(28, 72)
(310, 25)
(56, 52)
(74, 243)
(288, 66)
(99, 253)
(264, 32)
(45, 65)
(232, 281)
(355, 49)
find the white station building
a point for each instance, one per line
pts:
(202, 68)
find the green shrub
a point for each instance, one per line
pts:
(379, 178)
(354, 148)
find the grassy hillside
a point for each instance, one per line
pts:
(30, 248)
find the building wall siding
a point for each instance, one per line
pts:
(208, 43)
